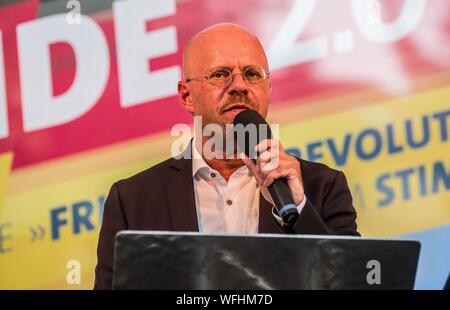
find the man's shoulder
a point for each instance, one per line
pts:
(312, 170)
(318, 179)
(156, 174)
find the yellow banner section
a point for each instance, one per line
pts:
(5, 168)
(395, 156)
(51, 214)
(51, 226)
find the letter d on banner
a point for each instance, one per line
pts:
(40, 108)
(135, 46)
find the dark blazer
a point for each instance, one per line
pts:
(162, 198)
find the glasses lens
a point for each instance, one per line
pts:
(254, 74)
(220, 76)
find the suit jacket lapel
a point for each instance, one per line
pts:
(180, 193)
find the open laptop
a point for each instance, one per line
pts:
(170, 260)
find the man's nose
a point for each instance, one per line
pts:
(238, 85)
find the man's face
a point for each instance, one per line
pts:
(235, 50)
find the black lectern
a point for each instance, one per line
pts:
(168, 260)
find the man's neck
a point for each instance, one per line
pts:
(225, 166)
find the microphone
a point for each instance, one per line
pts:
(279, 190)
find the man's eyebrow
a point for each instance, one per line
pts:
(220, 67)
(231, 67)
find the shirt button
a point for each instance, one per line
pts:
(213, 175)
(229, 202)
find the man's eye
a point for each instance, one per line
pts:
(252, 73)
(219, 74)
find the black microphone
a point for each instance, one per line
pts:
(279, 190)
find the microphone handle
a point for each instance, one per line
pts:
(282, 198)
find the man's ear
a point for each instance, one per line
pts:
(184, 96)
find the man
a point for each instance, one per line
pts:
(225, 71)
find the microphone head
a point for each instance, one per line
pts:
(250, 128)
(249, 116)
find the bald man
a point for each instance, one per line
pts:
(225, 71)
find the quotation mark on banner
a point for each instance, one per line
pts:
(74, 15)
(37, 234)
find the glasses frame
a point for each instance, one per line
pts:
(206, 77)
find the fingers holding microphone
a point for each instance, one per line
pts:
(274, 163)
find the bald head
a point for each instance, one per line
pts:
(219, 43)
(216, 49)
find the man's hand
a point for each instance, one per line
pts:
(273, 163)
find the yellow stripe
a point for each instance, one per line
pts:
(5, 168)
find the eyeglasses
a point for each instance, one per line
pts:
(224, 77)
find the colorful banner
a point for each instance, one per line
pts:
(88, 96)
